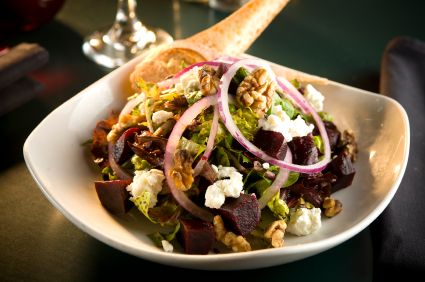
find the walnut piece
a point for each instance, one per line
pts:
(209, 80)
(230, 239)
(276, 232)
(182, 173)
(332, 207)
(351, 144)
(256, 91)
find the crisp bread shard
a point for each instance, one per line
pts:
(232, 36)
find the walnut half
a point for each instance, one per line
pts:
(256, 91)
(276, 232)
(182, 173)
(209, 80)
(228, 238)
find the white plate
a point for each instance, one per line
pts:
(62, 169)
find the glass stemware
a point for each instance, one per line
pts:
(127, 38)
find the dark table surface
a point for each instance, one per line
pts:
(340, 40)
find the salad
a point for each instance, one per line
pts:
(224, 156)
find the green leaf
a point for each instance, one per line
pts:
(240, 75)
(221, 157)
(292, 178)
(325, 116)
(317, 139)
(278, 206)
(170, 236)
(108, 173)
(139, 163)
(142, 203)
(156, 238)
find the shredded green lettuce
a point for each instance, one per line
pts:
(246, 120)
(108, 173)
(319, 143)
(278, 206)
(286, 105)
(142, 203)
(139, 163)
(193, 96)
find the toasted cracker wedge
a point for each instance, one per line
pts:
(232, 36)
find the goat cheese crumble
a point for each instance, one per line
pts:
(147, 181)
(314, 97)
(304, 221)
(279, 121)
(161, 116)
(167, 246)
(230, 184)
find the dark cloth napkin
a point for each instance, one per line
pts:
(398, 234)
(16, 63)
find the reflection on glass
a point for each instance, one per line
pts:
(127, 38)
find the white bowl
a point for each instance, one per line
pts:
(62, 168)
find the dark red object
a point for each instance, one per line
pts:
(26, 15)
(197, 236)
(272, 143)
(304, 151)
(114, 196)
(334, 135)
(241, 215)
(122, 150)
(342, 167)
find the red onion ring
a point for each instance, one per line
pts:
(223, 107)
(131, 104)
(210, 144)
(173, 141)
(280, 179)
(122, 174)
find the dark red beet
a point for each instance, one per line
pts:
(314, 188)
(334, 135)
(342, 167)
(304, 151)
(271, 142)
(122, 150)
(241, 215)
(114, 196)
(197, 236)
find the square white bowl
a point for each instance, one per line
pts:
(63, 170)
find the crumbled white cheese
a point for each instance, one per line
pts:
(230, 184)
(304, 221)
(266, 165)
(189, 81)
(147, 181)
(279, 121)
(161, 116)
(314, 97)
(167, 246)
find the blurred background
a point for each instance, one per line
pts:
(339, 40)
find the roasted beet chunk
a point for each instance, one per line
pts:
(197, 236)
(241, 215)
(271, 142)
(304, 151)
(314, 188)
(122, 150)
(342, 167)
(334, 135)
(114, 196)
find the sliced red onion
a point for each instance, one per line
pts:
(173, 141)
(210, 144)
(121, 173)
(165, 84)
(274, 188)
(131, 104)
(223, 107)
